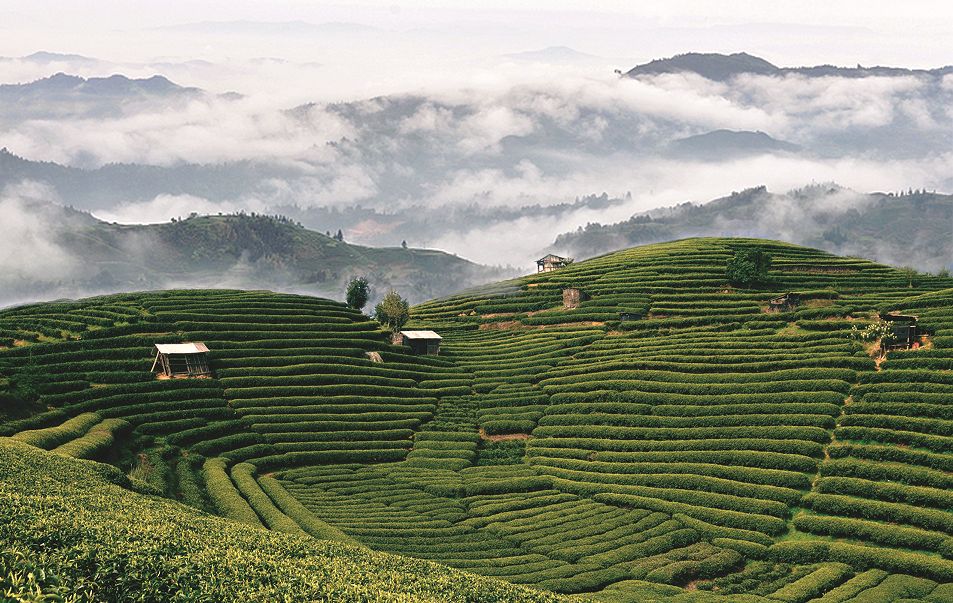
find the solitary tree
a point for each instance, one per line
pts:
(403, 244)
(749, 267)
(909, 275)
(357, 293)
(393, 311)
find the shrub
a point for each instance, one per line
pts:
(748, 267)
(358, 290)
(97, 441)
(243, 475)
(225, 496)
(393, 311)
(52, 437)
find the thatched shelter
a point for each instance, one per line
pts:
(905, 329)
(420, 342)
(785, 303)
(551, 262)
(181, 360)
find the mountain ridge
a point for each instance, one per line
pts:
(909, 228)
(723, 67)
(231, 249)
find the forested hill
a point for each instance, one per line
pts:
(911, 228)
(723, 67)
(86, 255)
(673, 438)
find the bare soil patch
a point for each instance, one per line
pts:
(503, 437)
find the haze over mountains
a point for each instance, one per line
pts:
(56, 252)
(909, 228)
(492, 173)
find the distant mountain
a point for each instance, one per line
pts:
(721, 144)
(718, 67)
(722, 67)
(115, 184)
(246, 251)
(911, 228)
(43, 57)
(62, 83)
(69, 96)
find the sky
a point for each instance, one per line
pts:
(913, 33)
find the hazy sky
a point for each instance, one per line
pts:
(912, 33)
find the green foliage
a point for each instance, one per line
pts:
(393, 311)
(72, 535)
(358, 291)
(875, 331)
(748, 267)
(675, 448)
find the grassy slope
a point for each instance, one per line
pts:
(68, 527)
(689, 445)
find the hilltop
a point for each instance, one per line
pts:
(908, 228)
(669, 439)
(723, 67)
(87, 254)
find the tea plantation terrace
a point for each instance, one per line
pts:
(707, 441)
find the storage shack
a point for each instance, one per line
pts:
(181, 360)
(551, 262)
(573, 297)
(420, 342)
(785, 303)
(905, 329)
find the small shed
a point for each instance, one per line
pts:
(551, 262)
(905, 329)
(181, 360)
(785, 303)
(420, 342)
(573, 297)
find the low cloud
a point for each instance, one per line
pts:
(504, 135)
(29, 248)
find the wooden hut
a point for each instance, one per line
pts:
(181, 360)
(551, 262)
(573, 297)
(785, 303)
(421, 343)
(905, 329)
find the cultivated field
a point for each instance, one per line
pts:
(701, 449)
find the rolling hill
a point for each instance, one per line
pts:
(908, 228)
(668, 440)
(236, 250)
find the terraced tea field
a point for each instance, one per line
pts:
(669, 438)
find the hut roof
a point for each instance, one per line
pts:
(898, 317)
(552, 258)
(181, 348)
(420, 335)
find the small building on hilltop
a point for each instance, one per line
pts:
(421, 343)
(785, 303)
(906, 331)
(573, 298)
(552, 262)
(181, 360)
